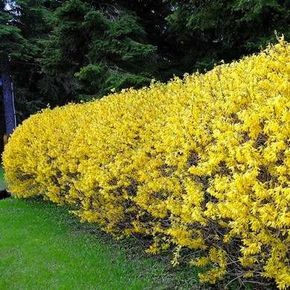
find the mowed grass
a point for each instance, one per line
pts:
(42, 246)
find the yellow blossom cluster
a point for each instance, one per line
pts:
(200, 163)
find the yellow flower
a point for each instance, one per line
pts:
(200, 163)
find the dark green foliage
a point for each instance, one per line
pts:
(10, 36)
(208, 31)
(28, 20)
(94, 49)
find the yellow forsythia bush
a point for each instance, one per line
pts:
(200, 165)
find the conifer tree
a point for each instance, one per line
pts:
(10, 45)
(95, 48)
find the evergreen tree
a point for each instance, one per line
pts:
(207, 31)
(10, 45)
(10, 36)
(33, 19)
(24, 24)
(94, 48)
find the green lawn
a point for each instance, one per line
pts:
(42, 246)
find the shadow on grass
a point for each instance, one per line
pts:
(37, 226)
(127, 256)
(178, 277)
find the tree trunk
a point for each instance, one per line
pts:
(8, 97)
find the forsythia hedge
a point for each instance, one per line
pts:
(200, 165)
